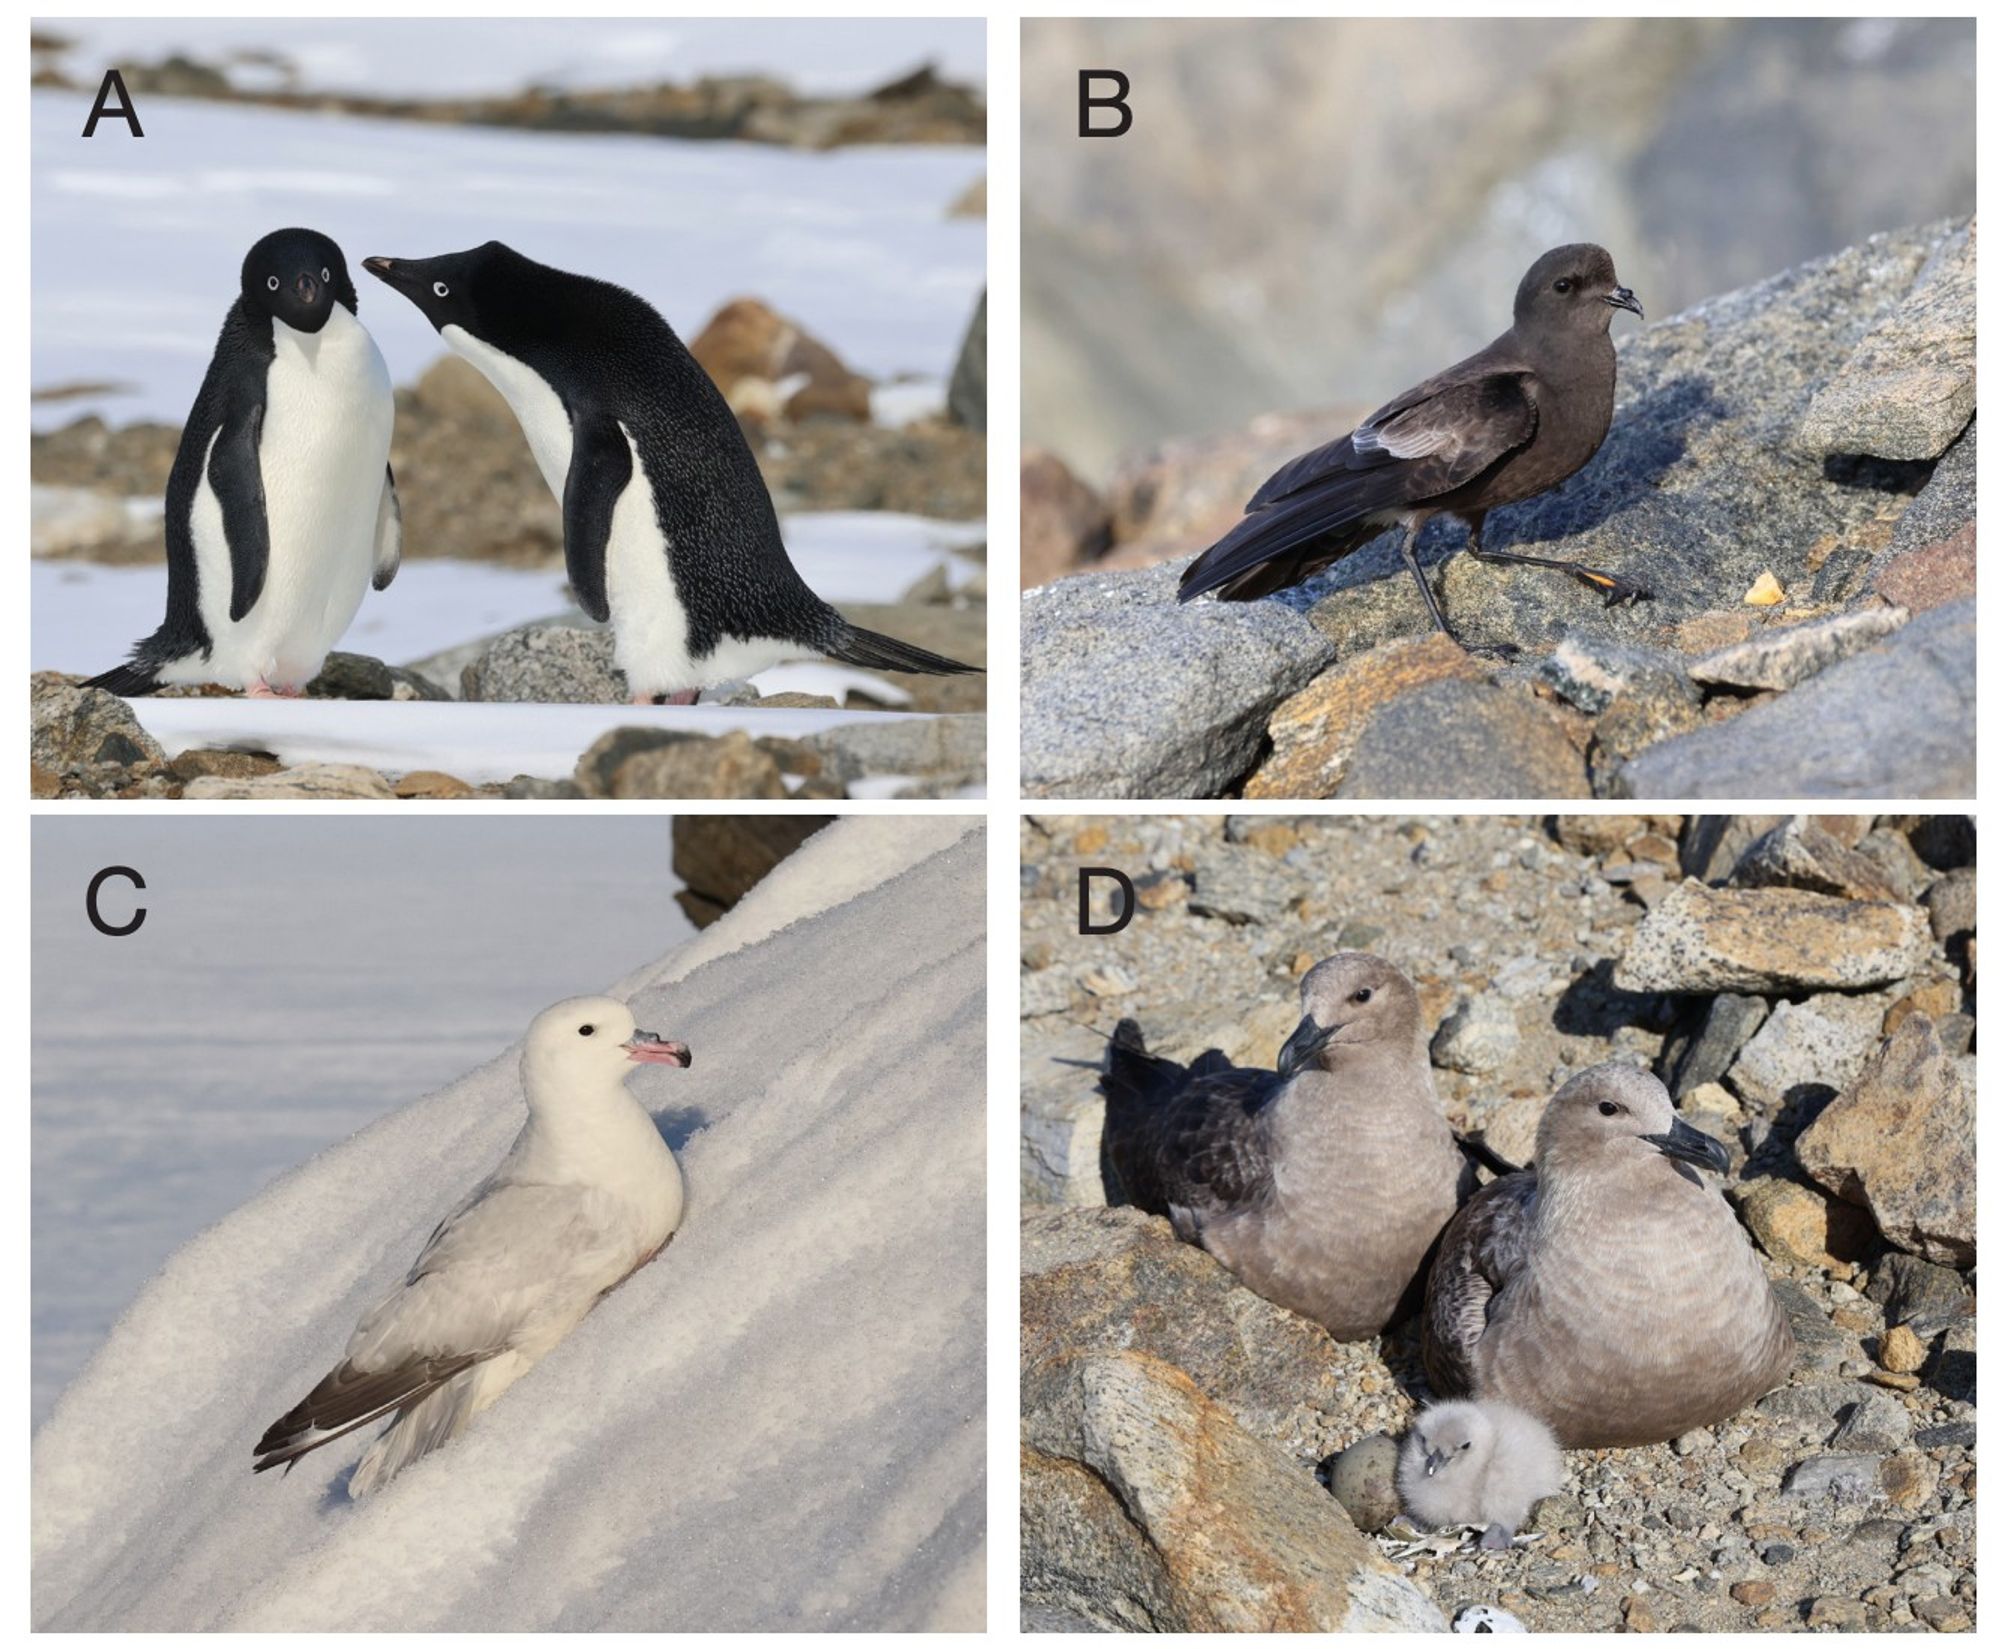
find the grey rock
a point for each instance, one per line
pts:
(1479, 1036)
(1949, 500)
(1591, 669)
(1786, 655)
(1240, 884)
(1954, 1370)
(81, 729)
(1929, 1298)
(919, 746)
(1800, 853)
(1456, 738)
(1062, 1113)
(1727, 1022)
(1818, 1407)
(1049, 1617)
(525, 787)
(1896, 720)
(1954, 1434)
(1877, 1424)
(1711, 843)
(545, 664)
(1124, 693)
(1910, 385)
(1362, 1477)
(1953, 901)
(1838, 1477)
(357, 676)
(1821, 1346)
(1821, 1042)
(965, 397)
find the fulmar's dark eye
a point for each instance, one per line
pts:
(441, 289)
(587, 1030)
(1564, 283)
(1607, 1108)
(271, 281)
(1362, 995)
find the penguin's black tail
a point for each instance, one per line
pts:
(128, 681)
(871, 651)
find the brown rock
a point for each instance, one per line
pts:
(1798, 1226)
(427, 785)
(1242, 1538)
(1460, 738)
(1901, 1351)
(798, 701)
(1753, 1594)
(1065, 526)
(750, 350)
(1595, 833)
(224, 764)
(1933, 575)
(720, 857)
(1934, 999)
(1909, 1479)
(650, 763)
(1899, 1142)
(313, 781)
(1314, 732)
(1953, 902)
(1760, 940)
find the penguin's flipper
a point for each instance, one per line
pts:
(388, 531)
(600, 468)
(237, 479)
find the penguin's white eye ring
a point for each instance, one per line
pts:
(326, 275)
(587, 1030)
(272, 282)
(440, 289)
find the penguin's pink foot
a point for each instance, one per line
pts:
(261, 689)
(685, 696)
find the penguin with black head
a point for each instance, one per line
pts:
(281, 508)
(668, 529)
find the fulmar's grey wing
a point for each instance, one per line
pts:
(1483, 1249)
(489, 1265)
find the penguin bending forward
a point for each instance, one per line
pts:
(281, 507)
(668, 529)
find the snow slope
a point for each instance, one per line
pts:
(855, 244)
(778, 1424)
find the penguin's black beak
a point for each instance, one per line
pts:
(1685, 1144)
(1620, 297)
(306, 286)
(1303, 1045)
(392, 271)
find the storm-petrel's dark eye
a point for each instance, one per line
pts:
(441, 289)
(1606, 1108)
(1564, 284)
(587, 1030)
(1362, 995)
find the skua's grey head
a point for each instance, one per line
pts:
(1348, 999)
(1617, 1111)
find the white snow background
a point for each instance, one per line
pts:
(778, 1424)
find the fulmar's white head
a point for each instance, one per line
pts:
(591, 1041)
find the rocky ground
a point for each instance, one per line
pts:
(919, 107)
(1805, 987)
(1790, 472)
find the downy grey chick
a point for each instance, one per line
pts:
(1484, 1463)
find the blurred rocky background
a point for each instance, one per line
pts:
(1317, 212)
(1805, 986)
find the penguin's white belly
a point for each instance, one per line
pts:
(323, 453)
(648, 617)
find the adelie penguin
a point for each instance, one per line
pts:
(668, 529)
(281, 508)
